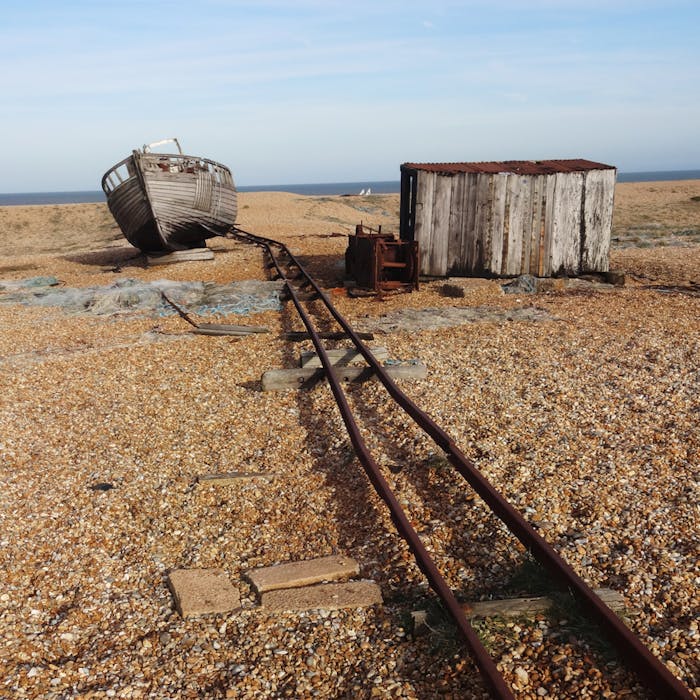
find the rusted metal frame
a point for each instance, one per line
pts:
(374, 259)
(630, 647)
(483, 660)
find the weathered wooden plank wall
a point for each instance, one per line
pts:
(566, 231)
(455, 235)
(511, 224)
(597, 215)
(441, 221)
(424, 219)
(484, 197)
(493, 244)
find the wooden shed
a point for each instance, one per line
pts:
(544, 217)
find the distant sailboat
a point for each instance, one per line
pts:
(369, 191)
(362, 192)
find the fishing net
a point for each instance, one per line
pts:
(135, 296)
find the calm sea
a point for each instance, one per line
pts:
(315, 189)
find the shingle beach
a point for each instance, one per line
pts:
(580, 402)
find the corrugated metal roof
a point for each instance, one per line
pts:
(520, 167)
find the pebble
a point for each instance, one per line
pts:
(522, 675)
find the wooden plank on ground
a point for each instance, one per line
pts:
(341, 356)
(302, 573)
(227, 329)
(176, 256)
(298, 336)
(232, 327)
(516, 607)
(283, 379)
(327, 596)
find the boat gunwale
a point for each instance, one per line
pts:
(150, 155)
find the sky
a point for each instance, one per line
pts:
(310, 91)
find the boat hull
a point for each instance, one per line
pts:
(170, 202)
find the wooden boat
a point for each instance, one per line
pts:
(168, 202)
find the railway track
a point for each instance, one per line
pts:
(285, 266)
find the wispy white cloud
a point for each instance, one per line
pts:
(306, 70)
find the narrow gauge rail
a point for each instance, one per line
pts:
(649, 669)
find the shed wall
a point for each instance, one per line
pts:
(511, 224)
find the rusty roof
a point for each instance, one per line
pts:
(520, 167)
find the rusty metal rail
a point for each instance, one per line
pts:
(638, 657)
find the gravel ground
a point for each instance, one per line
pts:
(584, 414)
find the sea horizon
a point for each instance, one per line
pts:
(309, 189)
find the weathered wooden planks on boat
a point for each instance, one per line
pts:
(168, 202)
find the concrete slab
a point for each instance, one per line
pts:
(326, 596)
(203, 592)
(302, 573)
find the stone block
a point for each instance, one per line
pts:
(302, 573)
(326, 596)
(203, 592)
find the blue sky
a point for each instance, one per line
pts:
(311, 91)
